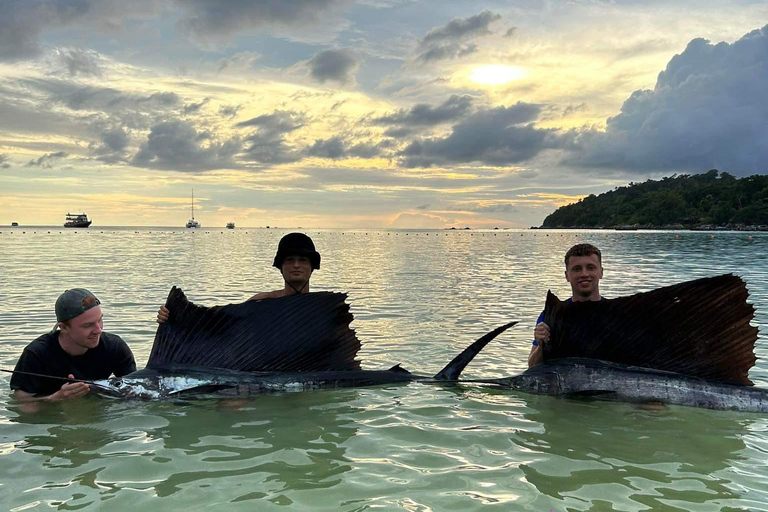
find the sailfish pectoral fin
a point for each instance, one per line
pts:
(457, 365)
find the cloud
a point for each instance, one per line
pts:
(46, 161)
(334, 65)
(177, 145)
(23, 21)
(4, 161)
(330, 148)
(194, 108)
(80, 62)
(114, 143)
(217, 19)
(423, 114)
(107, 99)
(336, 148)
(453, 39)
(707, 110)
(229, 111)
(267, 144)
(280, 121)
(493, 136)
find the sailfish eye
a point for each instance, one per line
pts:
(117, 383)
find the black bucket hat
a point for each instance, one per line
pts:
(296, 244)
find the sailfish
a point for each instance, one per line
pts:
(688, 344)
(295, 343)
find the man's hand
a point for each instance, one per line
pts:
(541, 333)
(162, 314)
(70, 391)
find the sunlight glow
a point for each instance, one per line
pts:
(497, 74)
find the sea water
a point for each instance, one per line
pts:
(419, 298)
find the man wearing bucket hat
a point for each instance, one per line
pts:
(76, 348)
(296, 259)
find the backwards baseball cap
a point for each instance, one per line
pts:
(74, 302)
(296, 244)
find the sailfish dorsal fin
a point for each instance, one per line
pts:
(305, 332)
(699, 328)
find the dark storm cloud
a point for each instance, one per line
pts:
(335, 65)
(494, 136)
(423, 114)
(215, 18)
(453, 39)
(707, 110)
(46, 161)
(177, 145)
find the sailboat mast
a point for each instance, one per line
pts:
(193, 204)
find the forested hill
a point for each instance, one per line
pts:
(712, 199)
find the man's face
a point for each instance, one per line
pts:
(296, 269)
(85, 330)
(584, 274)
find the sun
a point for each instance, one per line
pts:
(497, 74)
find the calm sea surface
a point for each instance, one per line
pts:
(419, 297)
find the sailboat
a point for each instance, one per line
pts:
(192, 223)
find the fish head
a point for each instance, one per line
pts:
(537, 380)
(128, 387)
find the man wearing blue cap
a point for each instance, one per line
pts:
(76, 348)
(296, 259)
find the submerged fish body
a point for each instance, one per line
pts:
(179, 380)
(601, 380)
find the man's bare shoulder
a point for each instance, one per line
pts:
(268, 295)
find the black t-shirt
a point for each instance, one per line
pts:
(45, 356)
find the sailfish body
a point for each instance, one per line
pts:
(602, 380)
(687, 344)
(296, 343)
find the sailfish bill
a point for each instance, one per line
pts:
(296, 343)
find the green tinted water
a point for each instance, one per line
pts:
(419, 297)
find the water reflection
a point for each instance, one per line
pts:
(629, 457)
(269, 447)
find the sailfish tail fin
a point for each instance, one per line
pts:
(457, 365)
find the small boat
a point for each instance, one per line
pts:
(77, 220)
(192, 223)
(230, 225)
(14, 224)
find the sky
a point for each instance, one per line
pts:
(371, 113)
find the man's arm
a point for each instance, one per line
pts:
(69, 391)
(541, 335)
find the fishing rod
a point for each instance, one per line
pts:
(56, 377)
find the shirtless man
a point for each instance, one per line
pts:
(296, 259)
(583, 270)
